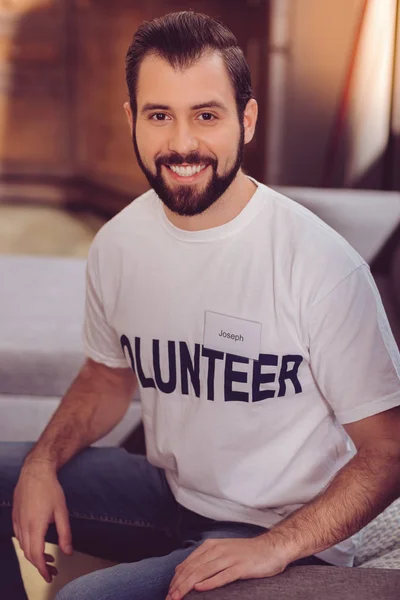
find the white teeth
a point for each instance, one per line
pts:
(187, 171)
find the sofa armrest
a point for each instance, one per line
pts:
(312, 583)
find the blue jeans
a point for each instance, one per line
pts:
(122, 509)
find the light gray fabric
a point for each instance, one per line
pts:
(23, 418)
(389, 560)
(313, 583)
(41, 319)
(381, 540)
(365, 218)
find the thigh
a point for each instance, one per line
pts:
(196, 528)
(236, 530)
(247, 530)
(147, 579)
(117, 501)
(111, 485)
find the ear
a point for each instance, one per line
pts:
(129, 115)
(250, 120)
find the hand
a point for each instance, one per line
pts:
(220, 561)
(38, 501)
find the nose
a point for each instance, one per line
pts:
(182, 140)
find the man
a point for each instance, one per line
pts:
(268, 374)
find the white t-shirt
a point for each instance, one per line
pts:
(252, 342)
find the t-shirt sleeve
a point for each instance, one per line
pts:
(354, 357)
(100, 340)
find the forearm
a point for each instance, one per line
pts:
(357, 494)
(92, 406)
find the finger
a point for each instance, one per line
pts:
(199, 551)
(17, 533)
(25, 544)
(15, 527)
(52, 570)
(37, 552)
(218, 580)
(19, 537)
(184, 585)
(49, 557)
(63, 530)
(191, 561)
(188, 570)
(17, 530)
(16, 524)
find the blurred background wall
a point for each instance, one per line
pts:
(326, 76)
(334, 68)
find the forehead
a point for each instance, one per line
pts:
(159, 82)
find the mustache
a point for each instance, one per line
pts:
(191, 159)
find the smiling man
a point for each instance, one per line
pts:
(190, 151)
(268, 374)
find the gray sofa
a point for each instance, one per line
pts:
(41, 308)
(41, 312)
(312, 583)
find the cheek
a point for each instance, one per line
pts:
(147, 143)
(227, 158)
(226, 147)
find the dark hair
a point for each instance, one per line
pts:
(181, 38)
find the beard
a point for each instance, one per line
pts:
(186, 200)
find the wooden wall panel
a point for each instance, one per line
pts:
(104, 147)
(62, 85)
(33, 98)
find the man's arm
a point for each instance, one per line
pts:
(96, 401)
(358, 493)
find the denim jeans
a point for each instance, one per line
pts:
(122, 509)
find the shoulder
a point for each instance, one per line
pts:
(122, 235)
(313, 252)
(123, 232)
(128, 220)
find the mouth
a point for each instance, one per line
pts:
(186, 173)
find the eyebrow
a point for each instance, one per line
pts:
(212, 104)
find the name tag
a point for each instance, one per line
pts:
(233, 335)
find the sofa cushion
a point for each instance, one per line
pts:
(312, 583)
(41, 308)
(23, 418)
(365, 218)
(381, 538)
(389, 560)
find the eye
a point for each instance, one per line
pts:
(207, 117)
(158, 117)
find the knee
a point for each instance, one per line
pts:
(93, 586)
(75, 590)
(126, 581)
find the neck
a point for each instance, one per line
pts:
(226, 208)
